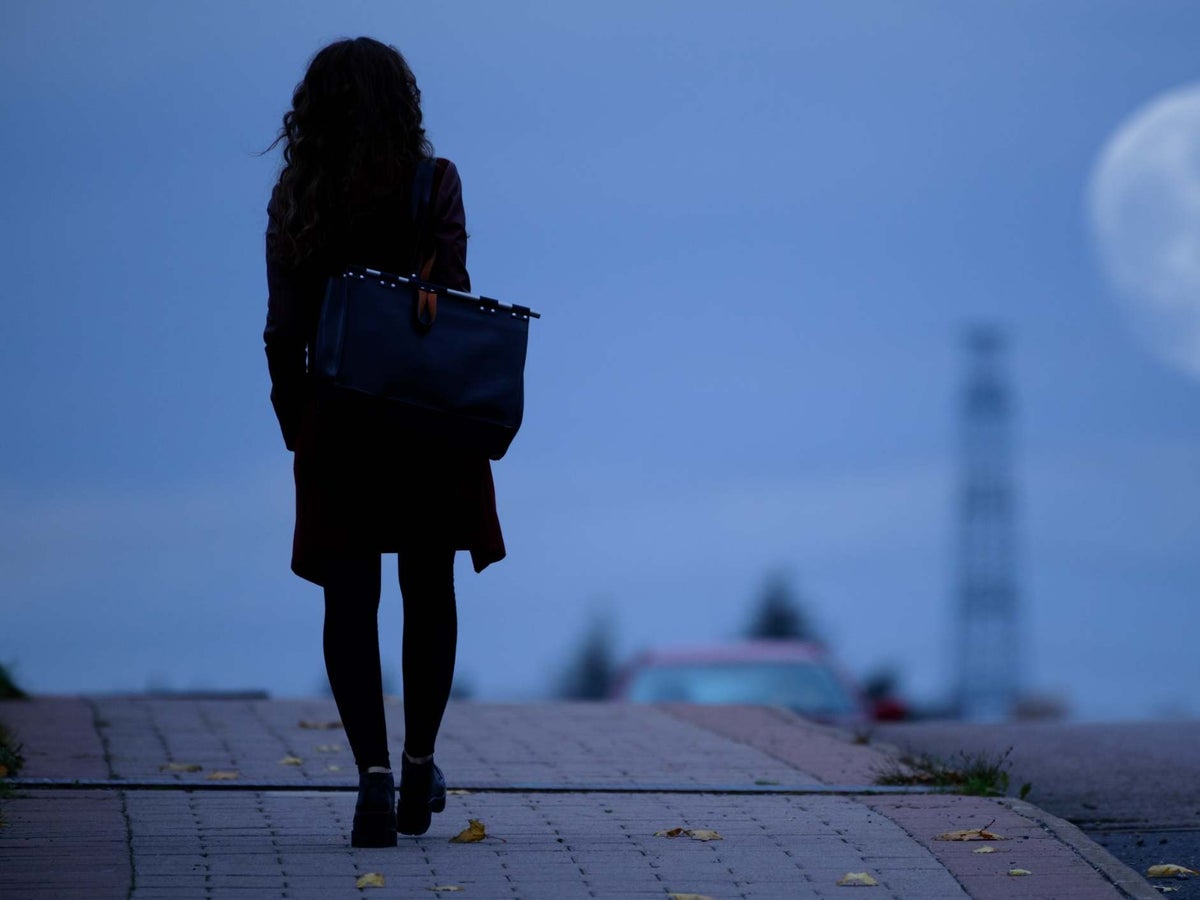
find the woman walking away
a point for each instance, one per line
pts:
(352, 142)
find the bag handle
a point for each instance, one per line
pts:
(426, 310)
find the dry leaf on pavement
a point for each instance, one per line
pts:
(699, 834)
(1170, 870)
(223, 775)
(984, 849)
(334, 767)
(180, 767)
(1019, 872)
(472, 833)
(312, 723)
(973, 834)
(290, 760)
(371, 879)
(457, 791)
(676, 896)
(857, 879)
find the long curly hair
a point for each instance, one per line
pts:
(353, 137)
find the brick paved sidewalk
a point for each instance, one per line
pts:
(570, 793)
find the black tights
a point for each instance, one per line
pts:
(351, 644)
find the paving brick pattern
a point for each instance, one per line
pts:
(177, 841)
(1058, 870)
(294, 844)
(830, 755)
(494, 745)
(64, 844)
(593, 743)
(58, 735)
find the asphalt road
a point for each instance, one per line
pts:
(1134, 788)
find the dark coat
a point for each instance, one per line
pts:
(361, 485)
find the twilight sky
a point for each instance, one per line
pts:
(756, 233)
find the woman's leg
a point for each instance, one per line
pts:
(351, 644)
(430, 641)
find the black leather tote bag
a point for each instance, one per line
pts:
(446, 366)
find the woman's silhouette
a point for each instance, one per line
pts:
(352, 142)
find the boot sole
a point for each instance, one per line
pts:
(414, 822)
(373, 829)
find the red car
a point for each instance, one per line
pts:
(798, 675)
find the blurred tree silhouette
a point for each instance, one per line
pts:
(881, 682)
(779, 615)
(590, 674)
(8, 685)
(462, 688)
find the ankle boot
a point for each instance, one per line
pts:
(374, 817)
(422, 792)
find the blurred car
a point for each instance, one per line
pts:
(798, 675)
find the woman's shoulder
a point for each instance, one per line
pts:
(447, 180)
(446, 169)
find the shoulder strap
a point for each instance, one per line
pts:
(425, 310)
(419, 211)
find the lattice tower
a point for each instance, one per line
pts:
(988, 662)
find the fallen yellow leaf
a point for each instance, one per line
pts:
(180, 767)
(689, 897)
(329, 748)
(445, 887)
(1170, 870)
(1019, 872)
(857, 879)
(473, 832)
(457, 791)
(984, 849)
(670, 832)
(311, 723)
(223, 775)
(291, 761)
(371, 879)
(973, 834)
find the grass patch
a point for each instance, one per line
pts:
(978, 774)
(862, 736)
(11, 759)
(11, 762)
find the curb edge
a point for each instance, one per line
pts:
(1125, 878)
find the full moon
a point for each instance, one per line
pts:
(1144, 209)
